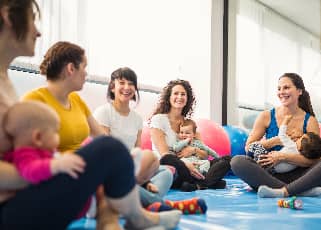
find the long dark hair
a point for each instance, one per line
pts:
(164, 106)
(304, 98)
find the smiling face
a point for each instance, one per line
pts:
(186, 132)
(287, 92)
(178, 98)
(124, 90)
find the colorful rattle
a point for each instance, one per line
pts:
(292, 203)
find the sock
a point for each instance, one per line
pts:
(265, 191)
(158, 207)
(316, 191)
(191, 206)
(169, 219)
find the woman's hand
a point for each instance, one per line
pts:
(6, 195)
(186, 152)
(272, 158)
(193, 171)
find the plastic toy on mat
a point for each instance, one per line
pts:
(292, 203)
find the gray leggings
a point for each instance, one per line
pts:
(296, 181)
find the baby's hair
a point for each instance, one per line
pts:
(187, 122)
(311, 146)
(25, 116)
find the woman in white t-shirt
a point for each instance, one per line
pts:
(120, 121)
(176, 103)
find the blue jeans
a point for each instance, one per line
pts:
(163, 179)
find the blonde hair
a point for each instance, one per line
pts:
(23, 117)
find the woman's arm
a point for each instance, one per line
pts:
(313, 125)
(258, 131)
(10, 178)
(190, 150)
(202, 154)
(158, 138)
(139, 139)
(276, 157)
(95, 128)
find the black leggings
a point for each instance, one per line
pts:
(219, 168)
(295, 181)
(55, 203)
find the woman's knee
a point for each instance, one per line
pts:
(169, 159)
(237, 163)
(106, 150)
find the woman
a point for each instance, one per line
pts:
(120, 121)
(64, 66)
(23, 206)
(176, 103)
(295, 101)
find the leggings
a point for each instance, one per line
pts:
(295, 181)
(55, 203)
(219, 168)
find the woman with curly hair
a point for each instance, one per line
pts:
(55, 203)
(176, 103)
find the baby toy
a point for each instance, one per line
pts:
(292, 203)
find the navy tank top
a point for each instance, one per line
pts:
(273, 129)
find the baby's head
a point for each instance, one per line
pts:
(309, 145)
(32, 123)
(187, 129)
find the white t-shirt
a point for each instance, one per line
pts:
(161, 121)
(124, 128)
(289, 146)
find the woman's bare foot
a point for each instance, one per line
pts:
(107, 217)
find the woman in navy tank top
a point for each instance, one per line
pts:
(303, 180)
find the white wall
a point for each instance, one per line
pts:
(92, 93)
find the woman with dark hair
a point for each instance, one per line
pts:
(295, 102)
(119, 120)
(54, 204)
(177, 103)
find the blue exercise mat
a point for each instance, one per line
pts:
(236, 207)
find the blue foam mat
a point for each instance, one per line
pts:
(236, 207)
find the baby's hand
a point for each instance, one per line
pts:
(70, 164)
(152, 188)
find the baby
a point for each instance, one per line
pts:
(187, 136)
(33, 129)
(309, 145)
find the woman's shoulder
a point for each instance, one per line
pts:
(159, 119)
(103, 108)
(160, 116)
(36, 94)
